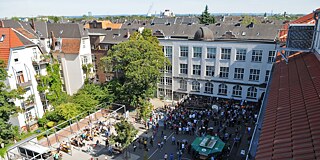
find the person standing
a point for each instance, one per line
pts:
(171, 156)
(165, 156)
(134, 147)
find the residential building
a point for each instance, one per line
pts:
(70, 45)
(20, 55)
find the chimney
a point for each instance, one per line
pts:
(1, 24)
(33, 25)
(128, 34)
(53, 41)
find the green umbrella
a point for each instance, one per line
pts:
(208, 145)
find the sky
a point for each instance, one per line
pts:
(31, 8)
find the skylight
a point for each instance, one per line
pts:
(2, 38)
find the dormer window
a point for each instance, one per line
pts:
(2, 38)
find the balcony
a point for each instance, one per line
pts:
(25, 105)
(42, 61)
(25, 84)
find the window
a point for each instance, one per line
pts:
(252, 92)
(208, 88)
(161, 70)
(196, 70)
(238, 73)
(211, 52)
(94, 58)
(237, 90)
(196, 86)
(224, 72)
(161, 91)
(225, 53)
(2, 38)
(162, 80)
(223, 89)
(168, 51)
(197, 51)
(183, 85)
(271, 56)
(184, 50)
(266, 79)
(241, 54)
(256, 56)
(16, 60)
(84, 44)
(183, 68)
(84, 60)
(20, 77)
(254, 75)
(210, 71)
(34, 50)
(168, 81)
(168, 69)
(168, 93)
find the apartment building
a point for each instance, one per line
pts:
(70, 44)
(23, 59)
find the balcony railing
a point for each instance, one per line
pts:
(25, 84)
(26, 105)
(42, 61)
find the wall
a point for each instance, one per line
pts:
(317, 39)
(217, 62)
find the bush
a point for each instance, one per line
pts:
(42, 121)
(50, 124)
(53, 116)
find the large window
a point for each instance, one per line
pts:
(224, 72)
(266, 79)
(183, 85)
(162, 80)
(168, 81)
(252, 92)
(196, 70)
(271, 56)
(241, 54)
(256, 56)
(168, 51)
(197, 51)
(196, 86)
(238, 73)
(161, 91)
(225, 53)
(254, 75)
(208, 88)
(237, 90)
(168, 69)
(210, 71)
(184, 50)
(223, 89)
(211, 52)
(183, 68)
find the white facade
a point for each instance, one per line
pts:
(23, 74)
(71, 65)
(207, 69)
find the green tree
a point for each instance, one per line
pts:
(68, 110)
(52, 83)
(15, 18)
(137, 65)
(145, 109)
(85, 100)
(206, 17)
(126, 133)
(7, 107)
(248, 19)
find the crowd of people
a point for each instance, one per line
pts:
(231, 121)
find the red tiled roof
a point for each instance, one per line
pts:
(11, 40)
(70, 46)
(291, 126)
(25, 33)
